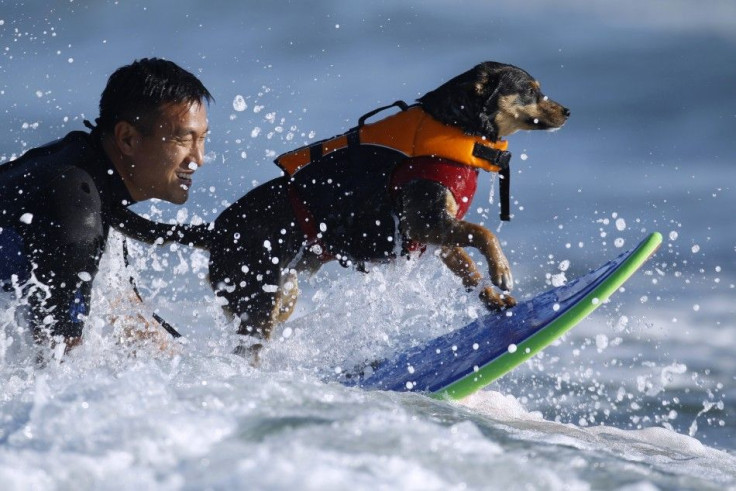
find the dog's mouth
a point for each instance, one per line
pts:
(541, 124)
(547, 120)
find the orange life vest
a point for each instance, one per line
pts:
(414, 133)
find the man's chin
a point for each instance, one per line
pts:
(179, 197)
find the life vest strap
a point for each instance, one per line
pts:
(315, 151)
(504, 186)
(400, 104)
(353, 137)
(501, 159)
(306, 222)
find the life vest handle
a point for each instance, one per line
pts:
(400, 104)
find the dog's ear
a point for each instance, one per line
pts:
(487, 79)
(455, 101)
(468, 101)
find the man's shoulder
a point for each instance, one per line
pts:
(73, 149)
(45, 167)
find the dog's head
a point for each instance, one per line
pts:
(494, 100)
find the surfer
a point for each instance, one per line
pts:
(58, 201)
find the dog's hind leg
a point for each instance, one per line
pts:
(286, 299)
(264, 311)
(257, 315)
(256, 312)
(264, 301)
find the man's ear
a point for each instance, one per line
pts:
(127, 137)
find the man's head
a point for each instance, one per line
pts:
(153, 120)
(136, 92)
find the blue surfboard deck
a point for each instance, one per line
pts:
(467, 359)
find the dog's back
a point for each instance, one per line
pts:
(346, 192)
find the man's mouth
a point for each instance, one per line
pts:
(185, 176)
(185, 179)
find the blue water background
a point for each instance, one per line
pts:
(650, 145)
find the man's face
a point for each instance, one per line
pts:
(163, 160)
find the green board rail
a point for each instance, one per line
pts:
(559, 326)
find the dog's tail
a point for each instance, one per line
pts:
(144, 230)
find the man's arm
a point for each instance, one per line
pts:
(139, 228)
(66, 239)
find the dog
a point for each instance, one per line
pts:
(346, 204)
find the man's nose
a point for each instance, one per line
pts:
(197, 153)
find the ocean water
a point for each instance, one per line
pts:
(641, 395)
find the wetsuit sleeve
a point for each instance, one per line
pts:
(139, 228)
(66, 241)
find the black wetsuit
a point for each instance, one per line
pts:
(57, 203)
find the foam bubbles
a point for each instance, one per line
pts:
(239, 103)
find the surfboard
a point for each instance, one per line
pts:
(467, 359)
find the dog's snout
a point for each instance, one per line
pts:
(565, 112)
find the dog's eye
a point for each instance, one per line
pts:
(528, 96)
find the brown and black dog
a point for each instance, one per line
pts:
(346, 205)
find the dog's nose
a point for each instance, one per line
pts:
(566, 112)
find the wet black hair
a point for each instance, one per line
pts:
(135, 92)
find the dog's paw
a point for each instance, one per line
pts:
(501, 275)
(251, 353)
(494, 300)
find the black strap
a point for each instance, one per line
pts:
(169, 328)
(353, 135)
(504, 187)
(315, 151)
(499, 158)
(502, 160)
(353, 138)
(400, 104)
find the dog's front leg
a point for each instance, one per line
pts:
(466, 234)
(427, 215)
(460, 263)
